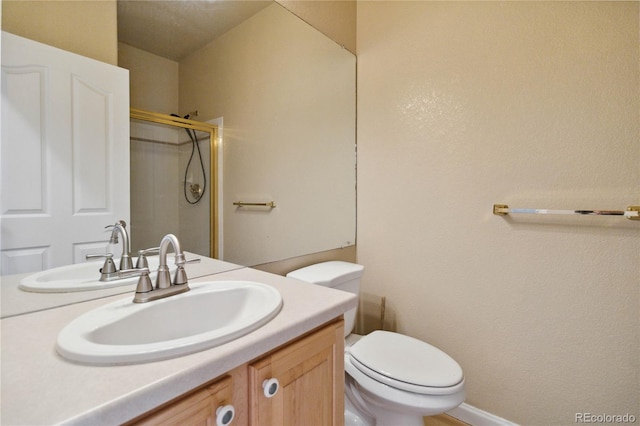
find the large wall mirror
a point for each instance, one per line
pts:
(283, 96)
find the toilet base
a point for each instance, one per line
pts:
(353, 416)
(377, 404)
(361, 410)
(355, 411)
(388, 418)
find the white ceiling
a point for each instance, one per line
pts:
(175, 28)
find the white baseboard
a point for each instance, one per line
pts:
(476, 417)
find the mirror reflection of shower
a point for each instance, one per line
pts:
(195, 189)
(169, 190)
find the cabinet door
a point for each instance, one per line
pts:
(310, 373)
(197, 408)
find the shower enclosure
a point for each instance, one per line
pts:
(173, 182)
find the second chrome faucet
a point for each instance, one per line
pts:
(120, 228)
(109, 271)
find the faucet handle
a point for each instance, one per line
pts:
(108, 267)
(99, 256)
(180, 276)
(120, 222)
(181, 261)
(142, 257)
(144, 282)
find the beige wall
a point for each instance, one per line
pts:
(532, 104)
(335, 19)
(66, 23)
(153, 79)
(88, 28)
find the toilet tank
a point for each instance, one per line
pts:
(336, 274)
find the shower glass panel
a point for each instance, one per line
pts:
(170, 187)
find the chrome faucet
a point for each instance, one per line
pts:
(164, 278)
(121, 228)
(145, 292)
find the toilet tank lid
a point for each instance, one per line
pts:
(328, 274)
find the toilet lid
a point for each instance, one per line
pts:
(405, 359)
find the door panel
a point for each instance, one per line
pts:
(64, 154)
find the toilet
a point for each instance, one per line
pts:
(391, 379)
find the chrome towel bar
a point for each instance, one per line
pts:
(632, 212)
(271, 204)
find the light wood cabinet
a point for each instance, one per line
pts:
(197, 408)
(310, 388)
(310, 377)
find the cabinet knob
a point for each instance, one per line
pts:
(270, 387)
(225, 415)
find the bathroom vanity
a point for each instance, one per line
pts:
(300, 383)
(302, 347)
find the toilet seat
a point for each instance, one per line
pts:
(389, 398)
(405, 363)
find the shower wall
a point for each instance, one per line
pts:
(159, 157)
(154, 188)
(158, 206)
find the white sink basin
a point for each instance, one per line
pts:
(81, 277)
(210, 314)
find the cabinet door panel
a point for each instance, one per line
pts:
(315, 407)
(196, 409)
(311, 376)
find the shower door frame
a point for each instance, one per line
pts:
(183, 123)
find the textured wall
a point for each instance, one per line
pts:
(532, 104)
(88, 28)
(335, 19)
(153, 80)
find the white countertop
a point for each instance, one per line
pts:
(14, 301)
(39, 387)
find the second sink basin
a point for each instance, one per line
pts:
(80, 277)
(210, 314)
